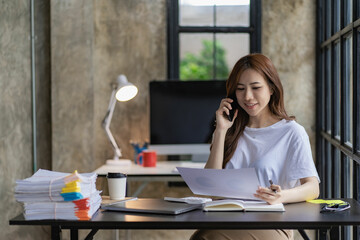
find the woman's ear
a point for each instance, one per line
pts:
(271, 88)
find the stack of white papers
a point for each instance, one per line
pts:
(56, 195)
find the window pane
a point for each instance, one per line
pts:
(192, 14)
(348, 136)
(351, 178)
(233, 15)
(337, 188)
(328, 90)
(347, 165)
(227, 13)
(337, 91)
(323, 117)
(322, 169)
(347, 12)
(328, 19)
(197, 54)
(328, 170)
(358, 93)
(236, 45)
(336, 15)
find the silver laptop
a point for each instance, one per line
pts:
(152, 205)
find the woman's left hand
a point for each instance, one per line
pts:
(272, 196)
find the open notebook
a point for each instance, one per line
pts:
(240, 205)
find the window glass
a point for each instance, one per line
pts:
(337, 91)
(197, 58)
(321, 170)
(347, 12)
(235, 45)
(328, 19)
(214, 12)
(328, 90)
(323, 116)
(348, 135)
(358, 93)
(233, 15)
(339, 64)
(207, 37)
(328, 166)
(347, 168)
(192, 14)
(351, 178)
(336, 15)
(336, 174)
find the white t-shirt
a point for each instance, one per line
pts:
(280, 152)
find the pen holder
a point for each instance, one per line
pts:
(138, 158)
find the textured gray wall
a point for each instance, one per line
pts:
(15, 114)
(289, 40)
(72, 85)
(91, 43)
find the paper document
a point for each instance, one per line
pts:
(230, 183)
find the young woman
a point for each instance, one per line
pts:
(262, 136)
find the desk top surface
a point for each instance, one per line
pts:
(297, 215)
(162, 168)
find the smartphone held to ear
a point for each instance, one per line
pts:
(234, 106)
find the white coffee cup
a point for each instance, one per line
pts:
(117, 185)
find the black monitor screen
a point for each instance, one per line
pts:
(183, 112)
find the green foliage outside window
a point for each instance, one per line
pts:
(201, 67)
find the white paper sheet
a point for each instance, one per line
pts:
(230, 183)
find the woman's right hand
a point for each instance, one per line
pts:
(222, 121)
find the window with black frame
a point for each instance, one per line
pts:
(207, 37)
(338, 102)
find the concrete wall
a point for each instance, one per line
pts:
(81, 48)
(288, 29)
(16, 143)
(92, 43)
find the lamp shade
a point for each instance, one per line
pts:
(125, 90)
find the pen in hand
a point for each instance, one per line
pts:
(271, 183)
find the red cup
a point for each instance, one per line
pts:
(148, 158)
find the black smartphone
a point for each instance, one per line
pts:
(234, 106)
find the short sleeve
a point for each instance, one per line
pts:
(301, 163)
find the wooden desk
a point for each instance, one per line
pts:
(297, 216)
(163, 172)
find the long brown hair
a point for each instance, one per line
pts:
(263, 66)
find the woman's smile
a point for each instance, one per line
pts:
(250, 106)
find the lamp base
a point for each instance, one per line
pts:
(119, 162)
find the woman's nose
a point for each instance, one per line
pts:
(248, 94)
